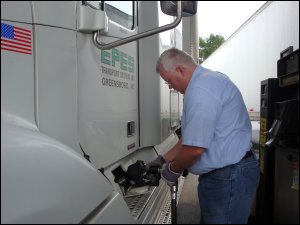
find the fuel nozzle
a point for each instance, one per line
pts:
(138, 175)
(154, 170)
(153, 175)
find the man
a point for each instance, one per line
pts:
(216, 140)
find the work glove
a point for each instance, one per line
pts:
(158, 162)
(168, 175)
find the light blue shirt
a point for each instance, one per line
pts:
(215, 118)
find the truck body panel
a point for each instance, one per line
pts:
(57, 184)
(56, 80)
(74, 116)
(18, 65)
(110, 95)
(65, 14)
(22, 11)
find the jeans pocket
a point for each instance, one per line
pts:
(224, 173)
(250, 172)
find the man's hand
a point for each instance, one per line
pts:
(158, 162)
(168, 175)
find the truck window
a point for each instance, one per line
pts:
(93, 4)
(120, 12)
(174, 109)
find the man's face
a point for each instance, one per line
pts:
(173, 79)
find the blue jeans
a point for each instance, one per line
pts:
(227, 194)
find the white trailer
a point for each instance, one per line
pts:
(77, 110)
(250, 54)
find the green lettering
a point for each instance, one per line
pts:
(115, 56)
(104, 55)
(130, 64)
(123, 61)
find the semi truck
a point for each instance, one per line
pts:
(82, 104)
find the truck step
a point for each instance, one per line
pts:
(164, 216)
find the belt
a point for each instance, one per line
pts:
(248, 154)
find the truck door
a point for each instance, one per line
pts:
(108, 87)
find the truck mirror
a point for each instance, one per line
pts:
(189, 8)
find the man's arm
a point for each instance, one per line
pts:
(171, 154)
(182, 156)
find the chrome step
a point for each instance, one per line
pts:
(138, 202)
(164, 215)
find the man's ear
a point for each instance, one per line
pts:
(180, 69)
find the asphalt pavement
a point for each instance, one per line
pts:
(188, 210)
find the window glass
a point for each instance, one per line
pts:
(174, 108)
(93, 4)
(120, 12)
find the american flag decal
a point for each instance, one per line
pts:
(16, 39)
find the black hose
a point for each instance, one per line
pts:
(174, 203)
(174, 211)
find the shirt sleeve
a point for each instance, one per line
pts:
(201, 114)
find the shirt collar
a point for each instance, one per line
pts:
(197, 72)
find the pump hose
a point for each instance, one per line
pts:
(174, 202)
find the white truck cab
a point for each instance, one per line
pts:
(81, 102)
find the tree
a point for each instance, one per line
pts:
(208, 45)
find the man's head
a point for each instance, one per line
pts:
(176, 68)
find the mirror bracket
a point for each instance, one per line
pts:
(139, 35)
